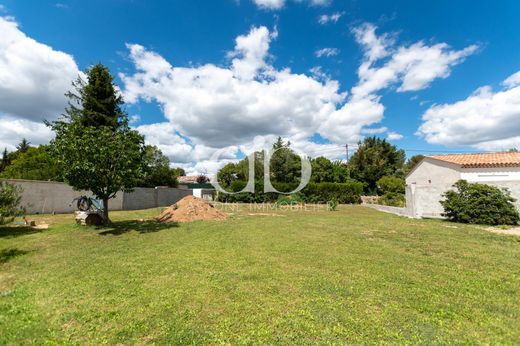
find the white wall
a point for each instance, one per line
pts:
(432, 178)
(477, 175)
(431, 172)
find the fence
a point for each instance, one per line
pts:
(45, 197)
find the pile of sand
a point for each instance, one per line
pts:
(191, 208)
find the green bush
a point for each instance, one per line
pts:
(480, 204)
(313, 193)
(9, 202)
(392, 191)
(393, 199)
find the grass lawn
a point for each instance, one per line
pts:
(354, 276)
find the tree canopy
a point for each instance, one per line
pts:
(412, 162)
(374, 159)
(158, 171)
(35, 163)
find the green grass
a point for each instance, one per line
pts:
(354, 276)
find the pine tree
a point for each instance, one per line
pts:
(96, 102)
(23, 146)
(5, 160)
(374, 159)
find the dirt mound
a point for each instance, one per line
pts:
(191, 208)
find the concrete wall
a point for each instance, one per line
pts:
(45, 197)
(168, 196)
(390, 209)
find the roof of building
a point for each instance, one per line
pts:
(187, 179)
(483, 160)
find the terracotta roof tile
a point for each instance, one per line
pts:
(487, 160)
(187, 179)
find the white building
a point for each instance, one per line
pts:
(436, 174)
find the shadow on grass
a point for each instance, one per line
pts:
(16, 231)
(148, 226)
(8, 254)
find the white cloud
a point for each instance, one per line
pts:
(270, 4)
(249, 102)
(486, 120)
(412, 67)
(326, 52)
(33, 76)
(278, 4)
(394, 136)
(330, 18)
(221, 106)
(374, 131)
(13, 130)
(512, 81)
(250, 53)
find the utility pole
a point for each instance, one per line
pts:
(346, 147)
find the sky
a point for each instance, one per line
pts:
(211, 81)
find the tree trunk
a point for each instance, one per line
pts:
(105, 211)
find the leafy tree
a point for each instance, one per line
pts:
(374, 159)
(158, 171)
(23, 146)
(322, 170)
(227, 174)
(35, 163)
(392, 190)
(340, 172)
(480, 204)
(285, 165)
(513, 150)
(94, 145)
(179, 172)
(412, 162)
(9, 202)
(202, 179)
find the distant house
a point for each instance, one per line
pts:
(201, 190)
(436, 174)
(186, 180)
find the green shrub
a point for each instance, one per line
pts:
(9, 202)
(333, 204)
(393, 199)
(313, 193)
(391, 184)
(480, 204)
(290, 199)
(392, 191)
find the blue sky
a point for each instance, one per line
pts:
(441, 83)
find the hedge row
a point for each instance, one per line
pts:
(345, 193)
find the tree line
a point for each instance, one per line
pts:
(377, 164)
